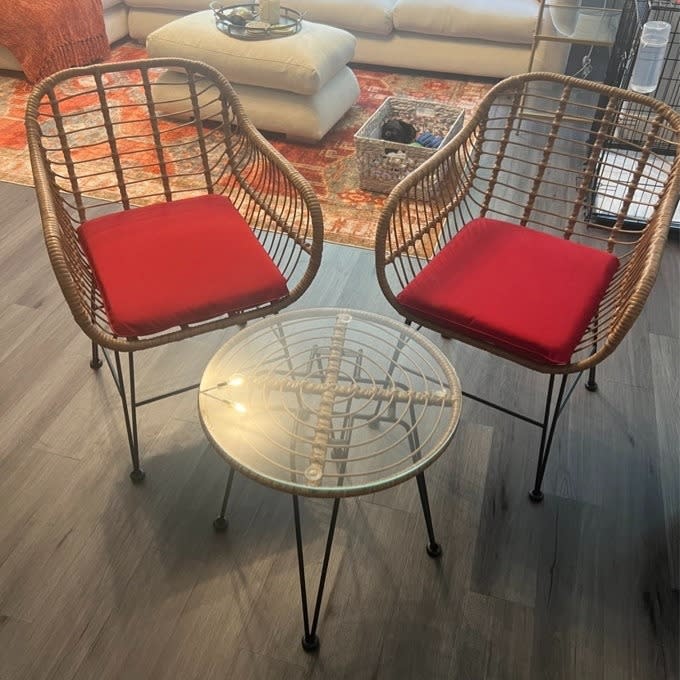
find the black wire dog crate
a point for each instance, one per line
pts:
(634, 15)
(621, 157)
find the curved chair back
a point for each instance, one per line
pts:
(583, 161)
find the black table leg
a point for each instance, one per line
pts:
(433, 548)
(310, 641)
(221, 522)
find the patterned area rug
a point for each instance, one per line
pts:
(350, 214)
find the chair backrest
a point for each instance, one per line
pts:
(565, 155)
(134, 132)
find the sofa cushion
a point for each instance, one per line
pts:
(365, 16)
(302, 63)
(509, 21)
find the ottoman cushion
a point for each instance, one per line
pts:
(302, 63)
(306, 117)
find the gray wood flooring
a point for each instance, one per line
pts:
(100, 579)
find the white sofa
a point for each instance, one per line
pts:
(489, 38)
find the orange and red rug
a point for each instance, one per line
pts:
(350, 214)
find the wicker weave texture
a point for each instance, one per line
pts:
(382, 164)
(99, 130)
(553, 153)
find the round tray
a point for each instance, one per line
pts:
(290, 22)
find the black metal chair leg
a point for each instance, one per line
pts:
(310, 640)
(536, 495)
(95, 361)
(130, 413)
(221, 523)
(393, 364)
(591, 385)
(433, 548)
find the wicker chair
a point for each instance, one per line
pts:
(160, 227)
(537, 232)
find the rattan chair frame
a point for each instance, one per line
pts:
(292, 212)
(476, 174)
(228, 156)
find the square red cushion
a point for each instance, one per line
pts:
(178, 263)
(526, 292)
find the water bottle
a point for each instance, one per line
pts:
(650, 56)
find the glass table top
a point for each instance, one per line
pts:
(329, 402)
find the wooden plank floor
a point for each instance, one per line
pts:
(100, 579)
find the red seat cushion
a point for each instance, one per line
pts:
(178, 263)
(523, 291)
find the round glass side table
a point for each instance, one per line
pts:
(329, 403)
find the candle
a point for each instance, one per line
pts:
(270, 11)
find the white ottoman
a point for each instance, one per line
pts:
(299, 85)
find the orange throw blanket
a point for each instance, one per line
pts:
(48, 35)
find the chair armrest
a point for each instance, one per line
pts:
(71, 267)
(284, 210)
(276, 200)
(424, 210)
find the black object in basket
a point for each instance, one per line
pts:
(382, 164)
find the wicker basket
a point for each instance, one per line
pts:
(383, 164)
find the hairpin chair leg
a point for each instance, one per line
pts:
(95, 361)
(536, 495)
(395, 357)
(591, 385)
(130, 413)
